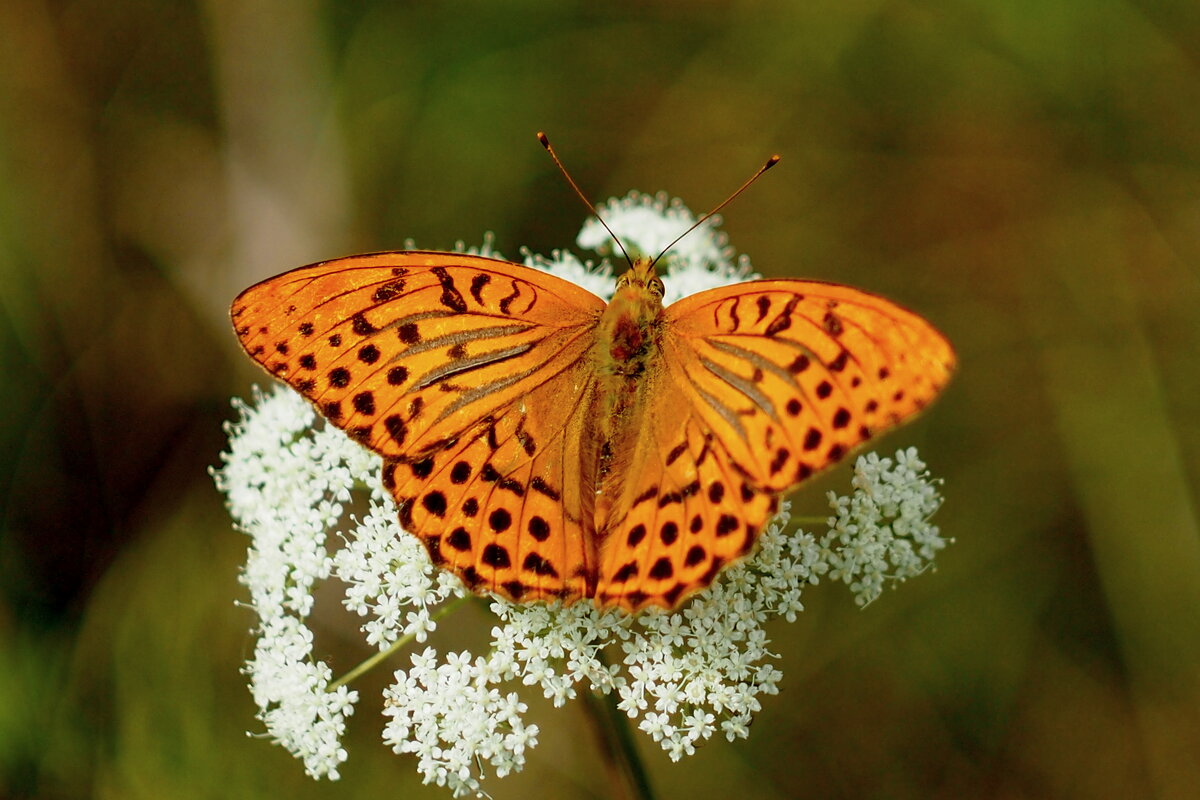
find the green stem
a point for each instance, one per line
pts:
(616, 740)
(383, 655)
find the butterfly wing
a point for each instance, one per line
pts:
(471, 377)
(758, 386)
(682, 510)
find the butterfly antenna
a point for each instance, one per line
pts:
(549, 149)
(772, 161)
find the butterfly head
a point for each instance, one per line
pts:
(641, 279)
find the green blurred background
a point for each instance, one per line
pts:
(1025, 174)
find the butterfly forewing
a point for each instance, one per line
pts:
(470, 375)
(792, 375)
(404, 350)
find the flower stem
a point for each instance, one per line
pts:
(369, 664)
(616, 742)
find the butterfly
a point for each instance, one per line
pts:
(546, 445)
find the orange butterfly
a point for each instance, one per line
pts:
(546, 445)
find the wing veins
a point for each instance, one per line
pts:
(469, 364)
(485, 501)
(883, 352)
(462, 337)
(471, 395)
(725, 412)
(560, 435)
(742, 385)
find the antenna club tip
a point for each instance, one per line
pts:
(543, 139)
(772, 161)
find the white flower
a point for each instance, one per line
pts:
(294, 699)
(283, 496)
(882, 531)
(681, 676)
(455, 720)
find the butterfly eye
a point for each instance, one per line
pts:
(656, 287)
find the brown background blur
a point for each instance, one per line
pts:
(1026, 174)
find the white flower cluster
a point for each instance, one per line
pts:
(451, 716)
(683, 676)
(646, 224)
(388, 574)
(285, 483)
(882, 531)
(684, 672)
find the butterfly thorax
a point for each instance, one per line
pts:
(626, 339)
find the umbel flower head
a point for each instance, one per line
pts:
(681, 676)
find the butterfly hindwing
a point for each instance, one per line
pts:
(502, 506)
(681, 511)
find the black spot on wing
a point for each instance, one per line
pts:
(451, 297)
(507, 301)
(339, 378)
(764, 305)
(459, 539)
(649, 494)
(542, 487)
(409, 333)
(733, 315)
(784, 320)
(832, 324)
(360, 325)
(396, 428)
(539, 529)
(477, 283)
(496, 556)
(388, 291)
(626, 572)
(538, 565)
(662, 569)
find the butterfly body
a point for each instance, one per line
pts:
(546, 445)
(627, 341)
